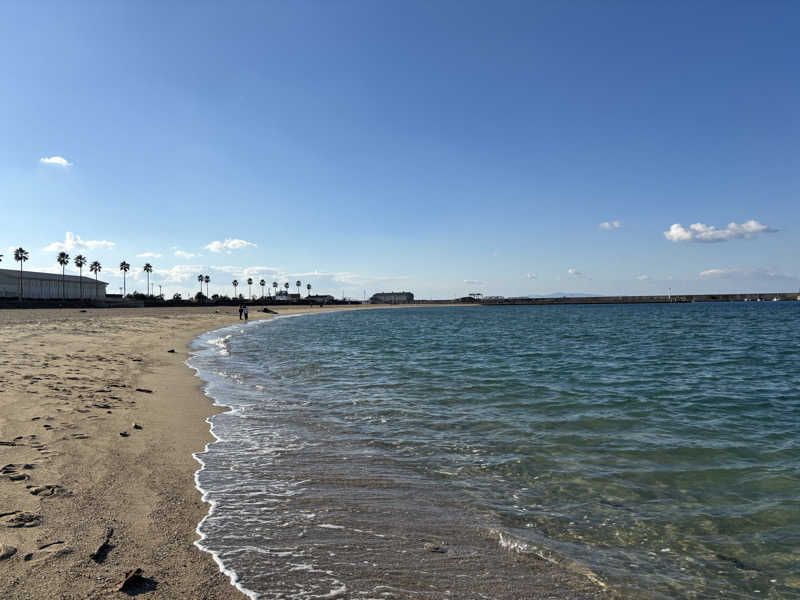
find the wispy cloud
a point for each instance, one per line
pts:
(55, 160)
(747, 273)
(610, 225)
(148, 255)
(529, 276)
(577, 274)
(229, 244)
(253, 271)
(182, 254)
(474, 282)
(179, 273)
(73, 241)
(643, 277)
(700, 232)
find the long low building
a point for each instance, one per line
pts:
(392, 298)
(49, 286)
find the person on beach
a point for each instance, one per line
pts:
(245, 313)
(241, 310)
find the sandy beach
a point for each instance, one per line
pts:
(98, 423)
(99, 417)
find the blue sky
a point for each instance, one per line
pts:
(437, 147)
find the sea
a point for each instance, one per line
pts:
(446, 452)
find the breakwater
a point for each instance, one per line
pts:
(682, 298)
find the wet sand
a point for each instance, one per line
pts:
(98, 423)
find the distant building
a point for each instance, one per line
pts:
(284, 296)
(321, 299)
(392, 298)
(48, 286)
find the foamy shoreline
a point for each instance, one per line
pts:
(68, 393)
(220, 372)
(78, 473)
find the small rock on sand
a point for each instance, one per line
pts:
(7, 551)
(137, 426)
(131, 578)
(144, 390)
(124, 433)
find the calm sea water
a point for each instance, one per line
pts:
(656, 445)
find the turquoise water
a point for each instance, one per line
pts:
(656, 445)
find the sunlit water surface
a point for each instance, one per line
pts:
(656, 444)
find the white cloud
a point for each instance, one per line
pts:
(74, 241)
(179, 273)
(746, 273)
(610, 225)
(228, 245)
(643, 277)
(700, 232)
(256, 272)
(182, 254)
(529, 276)
(55, 160)
(474, 282)
(577, 274)
(148, 255)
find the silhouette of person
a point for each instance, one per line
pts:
(241, 310)
(245, 313)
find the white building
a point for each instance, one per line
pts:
(48, 286)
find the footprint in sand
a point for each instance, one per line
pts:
(7, 551)
(16, 472)
(49, 550)
(44, 491)
(43, 449)
(79, 436)
(18, 518)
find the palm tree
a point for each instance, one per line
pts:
(124, 267)
(250, 287)
(63, 260)
(298, 284)
(20, 255)
(79, 261)
(235, 285)
(275, 285)
(207, 279)
(286, 285)
(262, 283)
(201, 279)
(308, 287)
(148, 268)
(95, 268)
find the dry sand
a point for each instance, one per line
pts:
(86, 495)
(69, 387)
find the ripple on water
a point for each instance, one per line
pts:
(657, 446)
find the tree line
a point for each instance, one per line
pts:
(21, 255)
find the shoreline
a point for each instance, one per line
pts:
(92, 503)
(546, 576)
(68, 390)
